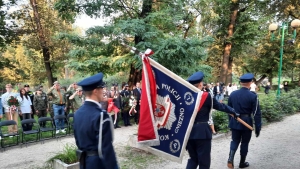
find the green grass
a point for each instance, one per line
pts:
(132, 158)
(67, 155)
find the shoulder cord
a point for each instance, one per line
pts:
(210, 121)
(100, 132)
(255, 107)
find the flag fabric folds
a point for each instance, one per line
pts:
(169, 105)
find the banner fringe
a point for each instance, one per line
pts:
(155, 142)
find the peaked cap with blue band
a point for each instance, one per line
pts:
(196, 78)
(245, 78)
(93, 82)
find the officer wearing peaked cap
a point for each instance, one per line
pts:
(199, 143)
(246, 104)
(93, 128)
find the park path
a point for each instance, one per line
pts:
(278, 147)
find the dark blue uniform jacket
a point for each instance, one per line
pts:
(244, 102)
(201, 129)
(86, 132)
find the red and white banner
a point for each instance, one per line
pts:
(169, 105)
(147, 131)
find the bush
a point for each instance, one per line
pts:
(273, 109)
(68, 155)
(270, 110)
(220, 121)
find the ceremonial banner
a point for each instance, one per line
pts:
(169, 105)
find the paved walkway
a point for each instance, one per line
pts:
(276, 148)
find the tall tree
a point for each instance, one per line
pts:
(165, 26)
(8, 31)
(39, 23)
(227, 59)
(234, 24)
(42, 40)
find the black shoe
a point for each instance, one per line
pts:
(117, 126)
(129, 125)
(243, 164)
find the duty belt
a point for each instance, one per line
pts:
(201, 122)
(245, 115)
(81, 155)
(92, 153)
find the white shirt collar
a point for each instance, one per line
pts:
(90, 100)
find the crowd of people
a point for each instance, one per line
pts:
(123, 103)
(60, 100)
(94, 95)
(220, 90)
(57, 101)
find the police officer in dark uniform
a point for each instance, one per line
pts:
(93, 128)
(199, 143)
(246, 104)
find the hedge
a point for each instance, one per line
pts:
(273, 109)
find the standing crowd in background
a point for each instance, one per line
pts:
(122, 103)
(56, 101)
(60, 100)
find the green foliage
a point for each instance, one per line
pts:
(269, 109)
(274, 109)
(220, 121)
(167, 28)
(118, 78)
(247, 30)
(68, 155)
(8, 28)
(25, 52)
(76, 78)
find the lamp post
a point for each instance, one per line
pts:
(273, 27)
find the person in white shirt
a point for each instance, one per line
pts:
(253, 87)
(229, 89)
(234, 87)
(10, 114)
(25, 110)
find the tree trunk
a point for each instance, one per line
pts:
(135, 74)
(229, 73)
(228, 45)
(46, 55)
(190, 25)
(42, 41)
(260, 79)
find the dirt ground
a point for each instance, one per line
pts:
(276, 148)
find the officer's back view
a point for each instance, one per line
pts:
(93, 128)
(244, 102)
